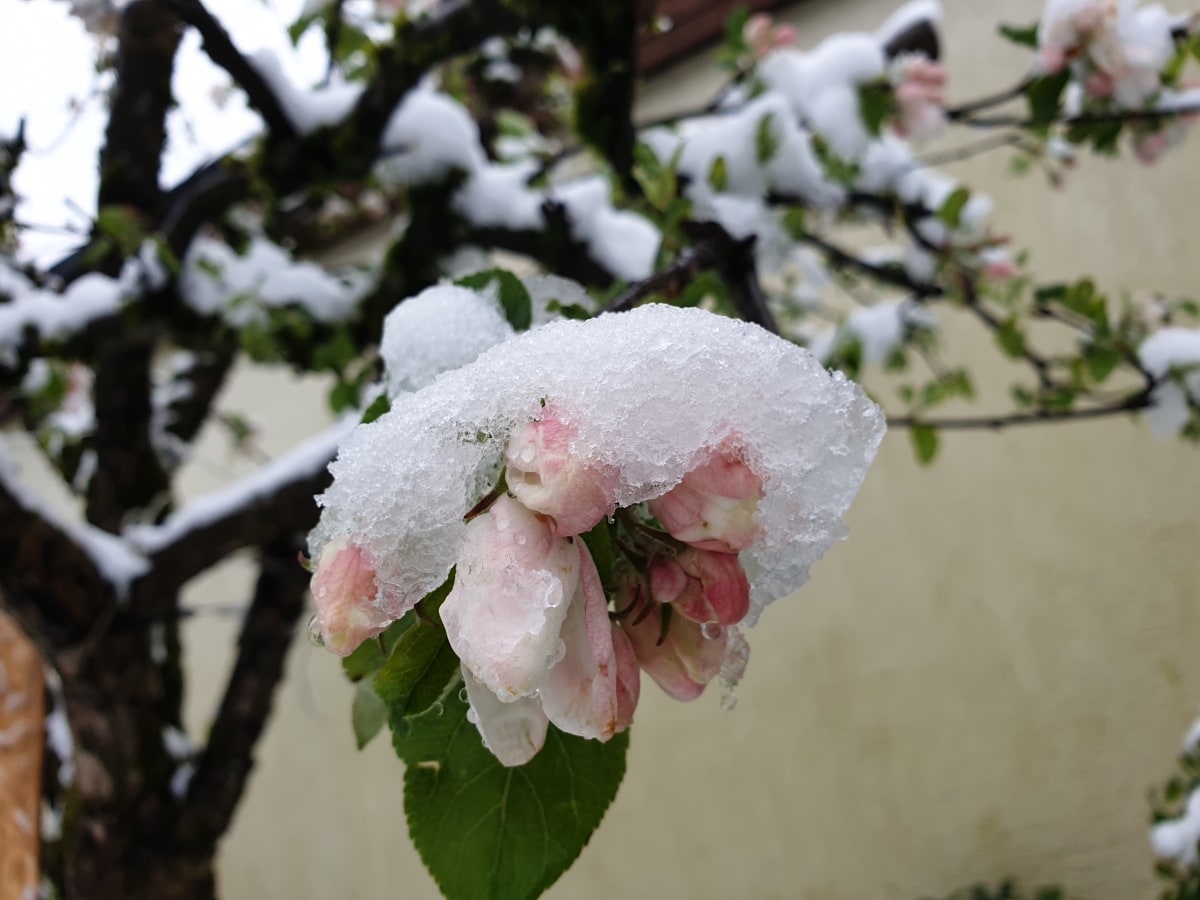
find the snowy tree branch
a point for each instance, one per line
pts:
(1135, 402)
(222, 51)
(275, 500)
(47, 581)
(136, 132)
(129, 476)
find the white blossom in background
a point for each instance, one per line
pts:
(1116, 49)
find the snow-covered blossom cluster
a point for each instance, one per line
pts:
(1167, 352)
(643, 495)
(1117, 52)
(1115, 49)
(1176, 841)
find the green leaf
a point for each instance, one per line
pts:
(1045, 96)
(421, 669)
(514, 298)
(486, 832)
(794, 222)
(1101, 362)
(568, 310)
(379, 406)
(343, 396)
(766, 142)
(951, 211)
(367, 714)
(121, 224)
(925, 443)
(876, 102)
(296, 29)
(718, 174)
(600, 545)
(1026, 36)
(371, 655)
(1010, 338)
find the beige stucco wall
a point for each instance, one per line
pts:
(982, 682)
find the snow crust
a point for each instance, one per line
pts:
(307, 110)
(907, 16)
(1166, 349)
(623, 242)
(51, 315)
(1177, 839)
(217, 281)
(431, 135)
(647, 391)
(1191, 741)
(117, 562)
(822, 85)
(442, 328)
(305, 460)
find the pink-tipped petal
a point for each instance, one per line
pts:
(344, 589)
(580, 692)
(685, 661)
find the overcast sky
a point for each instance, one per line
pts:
(47, 76)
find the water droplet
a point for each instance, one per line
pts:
(728, 701)
(437, 709)
(612, 520)
(314, 632)
(462, 695)
(710, 630)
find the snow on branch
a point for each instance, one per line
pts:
(69, 572)
(276, 499)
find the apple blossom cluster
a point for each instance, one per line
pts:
(1176, 841)
(608, 496)
(1116, 52)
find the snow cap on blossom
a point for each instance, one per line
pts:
(649, 390)
(1117, 50)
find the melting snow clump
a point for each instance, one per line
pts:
(442, 328)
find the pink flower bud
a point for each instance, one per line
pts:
(512, 588)
(344, 590)
(549, 474)
(702, 585)
(757, 33)
(785, 36)
(1149, 148)
(1099, 85)
(1051, 59)
(713, 507)
(686, 660)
